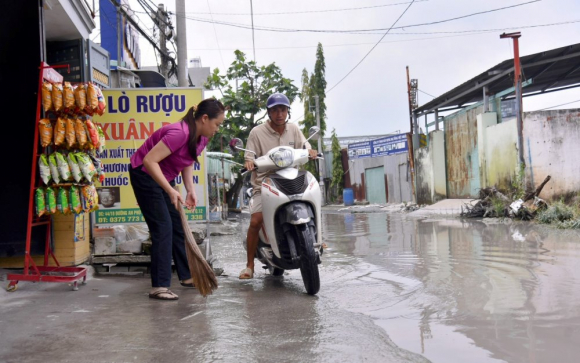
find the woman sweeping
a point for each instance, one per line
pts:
(167, 152)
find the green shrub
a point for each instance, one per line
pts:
(557, 212)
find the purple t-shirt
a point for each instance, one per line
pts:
(175, 137)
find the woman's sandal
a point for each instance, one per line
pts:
(187, 284)
(246, 274)
(163, 295)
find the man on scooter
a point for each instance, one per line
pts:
(275, 132)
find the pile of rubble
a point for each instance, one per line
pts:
(409, 207)
(493, 203)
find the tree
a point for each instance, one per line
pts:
(246, 102)
(311, 86)
(337, 170)
(309, 120)
(319, 86)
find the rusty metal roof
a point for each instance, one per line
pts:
(550, 71)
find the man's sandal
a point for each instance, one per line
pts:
(246, 274)
(187, 284)
(163, 295)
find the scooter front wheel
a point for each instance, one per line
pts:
(308, 262)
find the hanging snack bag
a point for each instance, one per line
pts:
(102, 140)
(63, 167)
(90, 198)
(75, 200)
(86, 165)
(46, 132)
(93, 133)
(81, 96)
(62, 204)
(53, 168)
(40, 202)
(44, 169)
(74, 167)
(59, 131)
(57, 99)
(68, 96)
(101, 106)
(50, 201)
(47, 96)
(98, 167)
(71, 137)
(92, 98)
(80, 132)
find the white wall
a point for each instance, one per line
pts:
(552, 147)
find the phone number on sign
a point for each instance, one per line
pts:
(125, 219)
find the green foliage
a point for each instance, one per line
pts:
(337, 170)
(309, 120)
(518, 184)
(311, 86)
(249, 99)
(499, 207)
(556, 213)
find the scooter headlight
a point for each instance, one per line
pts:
(283, 158)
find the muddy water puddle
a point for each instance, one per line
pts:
(458, 291)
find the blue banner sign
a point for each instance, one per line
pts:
(389, 145)
(360, 150)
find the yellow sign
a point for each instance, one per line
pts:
(132, 115)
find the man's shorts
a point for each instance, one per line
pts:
(256, 203)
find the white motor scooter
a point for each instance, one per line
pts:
(291, 199)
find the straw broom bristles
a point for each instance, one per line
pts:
(202, 274)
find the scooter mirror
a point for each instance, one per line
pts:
(236, 144)
(314, 133)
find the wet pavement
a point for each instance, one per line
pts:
(394, 289)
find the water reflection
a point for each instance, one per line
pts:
(457, 290)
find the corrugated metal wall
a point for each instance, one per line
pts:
(462, 153)
(397, 177)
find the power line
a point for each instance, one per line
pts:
(563, 104)
(216, 37)
(426, 93)
(288, 30)
(374, 46)
(311, 11)
(346, 44)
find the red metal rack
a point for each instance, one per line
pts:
(43, 273)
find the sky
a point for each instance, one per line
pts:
(372, 99)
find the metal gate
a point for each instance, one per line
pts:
(375, 185)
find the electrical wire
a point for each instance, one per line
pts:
(426, 93)
(374, 46)
(216, 37)
(287, 30)
(344, 45)
(311, 11)
(563, 104)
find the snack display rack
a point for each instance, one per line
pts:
(31, 271)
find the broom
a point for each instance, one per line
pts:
(201, 272)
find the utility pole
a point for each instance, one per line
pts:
(321, 165)
(410, 107)
(162, 24)
(119, 37)
(181, 43)
(518, 88)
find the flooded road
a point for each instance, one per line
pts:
(393, 289)
(456, 291)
